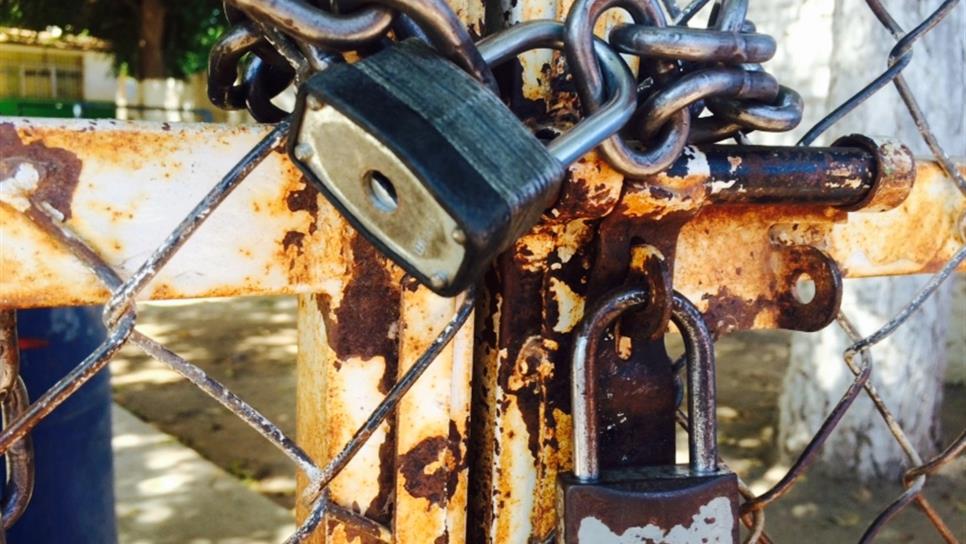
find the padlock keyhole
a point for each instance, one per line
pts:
(381, 191)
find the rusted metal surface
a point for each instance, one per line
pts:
(121, 322)
(347, 360)
(432, 427)
(739, 230)
(291, 241)
(19, 482)
(123, 186)
(123, 201)
(9, 350)
(918, 236)
(359, 331)
(698, 502)
(739, 262)
(650, 504)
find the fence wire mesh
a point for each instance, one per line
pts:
(916, 474)
(119, 315)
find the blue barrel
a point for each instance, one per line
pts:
(73, 498)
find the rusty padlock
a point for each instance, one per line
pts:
(697, 502)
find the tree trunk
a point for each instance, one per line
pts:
(151, 40)
(909, 365)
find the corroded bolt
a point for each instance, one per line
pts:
(894, 175)
(313, 103)
(438, 281)
(303, 152)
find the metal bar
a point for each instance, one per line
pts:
(363, 330)
(431, 425)
(347, 360)
(123, 186)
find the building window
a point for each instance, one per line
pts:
(41, 73)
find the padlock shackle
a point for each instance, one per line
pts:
(583, 375)
(702, 446)
(699, 349)
(596, 127)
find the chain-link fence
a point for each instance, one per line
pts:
(120, 318)
(858, 356)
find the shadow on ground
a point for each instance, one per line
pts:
(250, 345)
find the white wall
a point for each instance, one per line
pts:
(100, 83)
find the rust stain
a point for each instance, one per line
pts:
(727, 312)
(430, 469)
(365, 326)
(590, 191)
(59, 168)
(366, 320)
(124, 146)
(305, 199)
(350, 533)
(294, 239)
(382, 505)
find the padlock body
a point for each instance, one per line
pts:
(649, 504)
(424, 160)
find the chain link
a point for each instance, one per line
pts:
(19, 484)
(683, 71)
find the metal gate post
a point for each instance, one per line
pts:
(356, 336)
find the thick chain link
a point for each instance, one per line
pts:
(19, 484)
(684, 72)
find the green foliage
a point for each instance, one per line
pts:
(191, 27)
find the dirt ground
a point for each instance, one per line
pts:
(250, 345)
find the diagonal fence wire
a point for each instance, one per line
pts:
(120, 317)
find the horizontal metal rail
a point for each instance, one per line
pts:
(122, 186)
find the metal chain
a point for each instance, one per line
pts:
(683, 71)
(19, 485)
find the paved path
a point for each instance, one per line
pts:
(167, 493)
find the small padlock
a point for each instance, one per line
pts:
(697, 502)
(429, 164)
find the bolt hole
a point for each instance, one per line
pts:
(381, 191)
(804, 288)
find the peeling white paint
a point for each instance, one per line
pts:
(575, 235)
(714, 522)
(735, 162)
(697, 162)
(570, 306)
(719, 186)
(16, 189)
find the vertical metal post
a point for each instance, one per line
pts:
(356, 336)
(533, 300)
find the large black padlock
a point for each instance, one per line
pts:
(697, 502)
(429, 164)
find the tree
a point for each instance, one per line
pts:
(150, 39)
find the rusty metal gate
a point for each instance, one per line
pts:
(430, 419)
